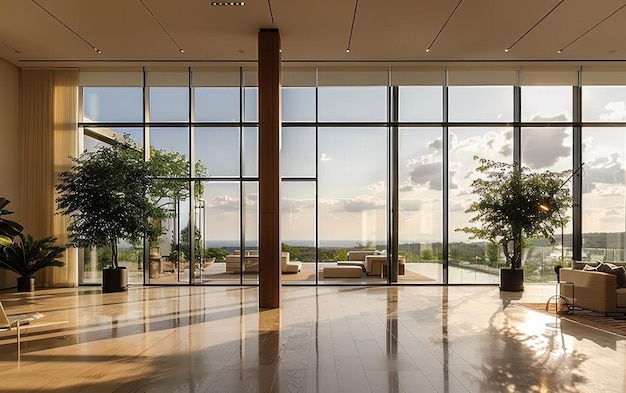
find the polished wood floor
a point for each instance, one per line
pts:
(324, 339)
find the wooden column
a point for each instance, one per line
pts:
(269, 176)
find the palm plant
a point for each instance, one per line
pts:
(28, 255)
(8, 229)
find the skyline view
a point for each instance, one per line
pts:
(336, 176)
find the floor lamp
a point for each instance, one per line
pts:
(546, 207)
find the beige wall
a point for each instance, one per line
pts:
(9, 164)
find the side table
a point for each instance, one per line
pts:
(558, 297)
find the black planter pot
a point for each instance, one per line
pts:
(512, 280)
(26, 284)
(114, 280)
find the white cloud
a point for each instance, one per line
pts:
(607, 169)
(361, 203)
(324, 157)
(352, 205)
(224, 202)
(378, 186)
(616, 111)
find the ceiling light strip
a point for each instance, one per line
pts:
(443, 27)
(594, 26)
(234, 3)
(535, 25)
(269, 5)
(181, 50)
(356, 5)
(67, 27)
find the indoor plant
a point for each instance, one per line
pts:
(508, 211)
(106, 195)
(27, 256)
(8, 229)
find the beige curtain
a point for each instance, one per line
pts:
(48, 137)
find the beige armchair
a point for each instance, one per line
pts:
(288, 266)
(376, 265)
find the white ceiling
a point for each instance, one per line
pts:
(311, 30)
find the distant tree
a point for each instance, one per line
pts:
(218, 253)
(493, 254)
(427, 255)
(295, 253)
(341, 254)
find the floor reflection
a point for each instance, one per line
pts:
(322, 339)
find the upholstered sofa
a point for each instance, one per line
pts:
(251, 263)
(373, 263)
(593, 290)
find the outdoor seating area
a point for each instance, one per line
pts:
(251, 263)
(368, 262)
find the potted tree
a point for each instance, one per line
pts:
(509, 211)
(27, 256)
(106, 195)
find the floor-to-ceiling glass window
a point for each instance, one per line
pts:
(200, 128)
(420, 176)
(173, 258)
(480, 113)
(337, 166)
(112, 106)
(604, 152)
(298, 170)
(546, 146)
(352, 161)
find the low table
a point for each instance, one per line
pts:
(343, 271)
(353, 263)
